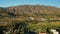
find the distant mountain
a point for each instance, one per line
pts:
(28, 9)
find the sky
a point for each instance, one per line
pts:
(7, 3)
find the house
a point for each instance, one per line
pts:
(31, 18)
(54, 31)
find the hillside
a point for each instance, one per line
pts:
(32, 9)
(24, 12)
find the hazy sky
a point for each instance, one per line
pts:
(6, 3)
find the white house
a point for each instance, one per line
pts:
(31, 18)
(54, 31)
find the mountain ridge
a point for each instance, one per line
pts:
(31, 9)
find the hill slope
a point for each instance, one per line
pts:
(23, 12)
(31, 9)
